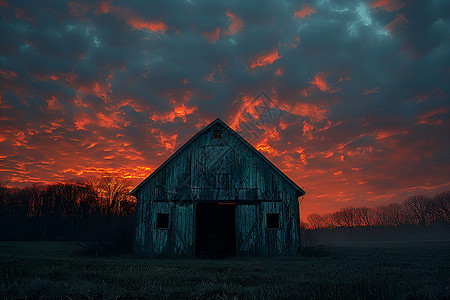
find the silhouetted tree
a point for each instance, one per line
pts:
(363, 216)
(113, 190)
(345, 217)
(315, 221)
(396, 214)
(328, 221)
(418, 208)
(440, 206)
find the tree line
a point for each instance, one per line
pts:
(66, 210)
(419, 210)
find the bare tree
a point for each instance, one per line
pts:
(344, 217)
(328, 222)
(315, 221)
(397, 214)
(348, 216)
(418, 208)
(441, 206)
(363, 216)
(3, 192)
(113, 190)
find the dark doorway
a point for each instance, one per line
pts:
(215, 230)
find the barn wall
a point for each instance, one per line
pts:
(222, 169)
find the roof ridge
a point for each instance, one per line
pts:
(195, 136)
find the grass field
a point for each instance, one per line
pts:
(351, 271)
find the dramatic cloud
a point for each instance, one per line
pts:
(350, 99)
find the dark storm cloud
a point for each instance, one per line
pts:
(362, 88)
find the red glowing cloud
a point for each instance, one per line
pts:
(320, 81)
(279, 72)
(104, 7)
(265, 59)
(236, 23)
(128, 15)
(179, 111)
(212, 36)
(433, 117)
(398, 25)
(306, 11)
(141, 24)
(388, 5)
(7, 74)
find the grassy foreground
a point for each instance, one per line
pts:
(413, 270)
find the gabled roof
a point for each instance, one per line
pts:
(300, 191)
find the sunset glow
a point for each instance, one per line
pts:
(349, 99)
(265, 59)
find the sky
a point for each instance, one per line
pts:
(349, 98)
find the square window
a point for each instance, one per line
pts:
(273, 221)
(162, 221)
(217, 134)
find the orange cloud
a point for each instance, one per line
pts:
(320, 81)
(179, 111)
(398, 25)
(270, 136)
(427, 118)
(53, 104)
(128, 16)
(130, 102)
(307, 129)
(216, 75)
(250, 108)
(246, 107)
(209, 77)
(388, 5)
(279, 72)
(371, 91)
(68, 77)
(387, 133)
(265, 147)
(8, 74)
(236, 23)
(104, 7)
(306, 11)
(295, 43)
(81, 120)
(107, 121)
(212, 36)
(265, 59)
(141, 24)
(168, 141)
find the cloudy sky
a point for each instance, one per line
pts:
(349, 98)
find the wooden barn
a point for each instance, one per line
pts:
(217, 196)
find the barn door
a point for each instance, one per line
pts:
(182, 229)
(247, 229)
(215, 230)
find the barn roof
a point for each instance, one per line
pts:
(300, 191)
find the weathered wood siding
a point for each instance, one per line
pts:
(210, 169)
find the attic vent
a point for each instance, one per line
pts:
(217, 134)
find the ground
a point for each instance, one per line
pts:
(397, 270)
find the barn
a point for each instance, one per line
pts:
(217, 196)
